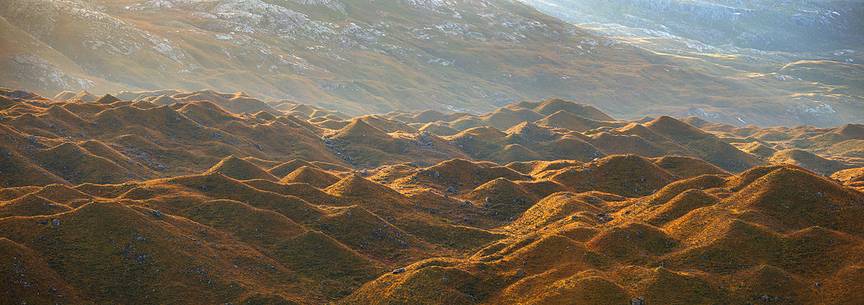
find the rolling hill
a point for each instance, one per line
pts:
(154, 197)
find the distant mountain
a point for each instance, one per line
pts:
(378, 56)
(813, 49)
(769, 25)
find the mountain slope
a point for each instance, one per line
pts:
(809, 49)
(367, 57)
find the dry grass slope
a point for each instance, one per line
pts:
(154, 197)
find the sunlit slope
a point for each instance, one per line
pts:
(83, 138)
(160, 196)
(704, 240)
